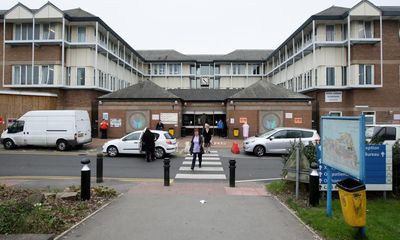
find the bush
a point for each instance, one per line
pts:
(310, 151)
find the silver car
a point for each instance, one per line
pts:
(279, 140)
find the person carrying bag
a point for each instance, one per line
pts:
(196, 148)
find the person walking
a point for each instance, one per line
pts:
(160, 126)
(196, 148)
(220, 127)
(246, 128)
(148, 145)
(207, 135)
(103, 129)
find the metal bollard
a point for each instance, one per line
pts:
(314, 185)
(99, 168)
(166, 171)
(85, 180)
(232, 168)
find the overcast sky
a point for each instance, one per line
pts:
(203, 26)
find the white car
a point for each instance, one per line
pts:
(279, 140)
(132, 144)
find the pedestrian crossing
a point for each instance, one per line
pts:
(211, 168)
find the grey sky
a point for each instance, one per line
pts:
(206, 26)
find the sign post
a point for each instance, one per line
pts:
(343, 148)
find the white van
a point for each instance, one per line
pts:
(384, 133)
(61, 128)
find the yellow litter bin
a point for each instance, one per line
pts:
(353, 201)
(171, 131)
(236, 132)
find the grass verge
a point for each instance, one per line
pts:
(383, 218)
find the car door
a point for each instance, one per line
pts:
(16, 132)
(131, 143)
(307, 137)
(276, 143)
(35, 131)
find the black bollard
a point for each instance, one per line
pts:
(166, 171)
(99, 168)
(232, 168)
(85, 180)
(314, 185)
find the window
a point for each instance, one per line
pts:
(81, 34)
(254, 69)
(316, 77)
(17, 127)
(216, 83)
(132, 137)
(80, 76)
(344, 32)
(307, 134)
(158, 69)
(23, 31)
(369, 118)
(330, 76)
(168, 136)
(365, 74)
(68, 76)
(281, 134)
(293, 134)
(49, 31)
(217, 69)
(47, 74)
(37, 31)
(36, 75)
(174, 69)
(330, 33)
(365, 29)
(382, 134)
(344, 76)
(17, 74)
(335, 113)
(238, 69)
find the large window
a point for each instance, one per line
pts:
(238, 69)
(330, 33)
(81, 34)
(23, 31)
(80, 76)
(22, 75)
(330, 76)
(369, 118)
(254, 69)
(365, 29)
(174, 69)
(158, 69)
(49, 31)
(365, 74)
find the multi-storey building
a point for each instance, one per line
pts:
(347, 59)
(71, 53)
(171, 69)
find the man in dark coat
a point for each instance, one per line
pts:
(160, 126)
(148, 145)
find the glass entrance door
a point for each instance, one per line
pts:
(192, 120)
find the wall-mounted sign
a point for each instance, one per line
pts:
(155, 117)
(105, 116)
(169, 118)
(204, 81)
(232, 121)
(396, 116)
(243, 120)
(298, 120)
(115, 122)
(289, 115)
(335, 96)
(1, 121)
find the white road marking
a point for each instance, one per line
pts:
(207, 155)
(205, 158)
(258, 180)
(203, 169)
(200, 176)
(202, 163)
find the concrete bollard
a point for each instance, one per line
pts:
(166, 171)
(99, 168)
(85, 180)
(232, 169)
(314, 185)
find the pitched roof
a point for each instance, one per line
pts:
(204, 94)
(266, 90)
(333, 11)
(142, 90)
(78, 13)
(164, 55)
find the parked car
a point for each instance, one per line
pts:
(132, 144)
(279, 140)
(54, 128)
(384, 133)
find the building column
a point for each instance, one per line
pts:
(381, 32)
(33, 49)
(63, 81)
(314, 57)
(348, 48)
(95, 55)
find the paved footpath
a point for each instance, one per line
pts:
(150, 211)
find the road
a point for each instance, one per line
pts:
(131, 166)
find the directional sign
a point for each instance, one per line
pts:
(378, 169)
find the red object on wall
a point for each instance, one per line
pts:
(1, 121)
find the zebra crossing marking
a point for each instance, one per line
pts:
(200, 176)
(202, 163)
(203, 169)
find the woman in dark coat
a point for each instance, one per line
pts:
(148, 145)
(207, 135)
(196, 148)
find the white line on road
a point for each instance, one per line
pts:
(207, 155)
(200, 176)
(259, 180)
(205, 158)
(202, 163)
(203, 169)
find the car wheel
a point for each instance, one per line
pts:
(112, 151)
(8, 144)
(259, 151)
(160, 153)
(62, 145)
